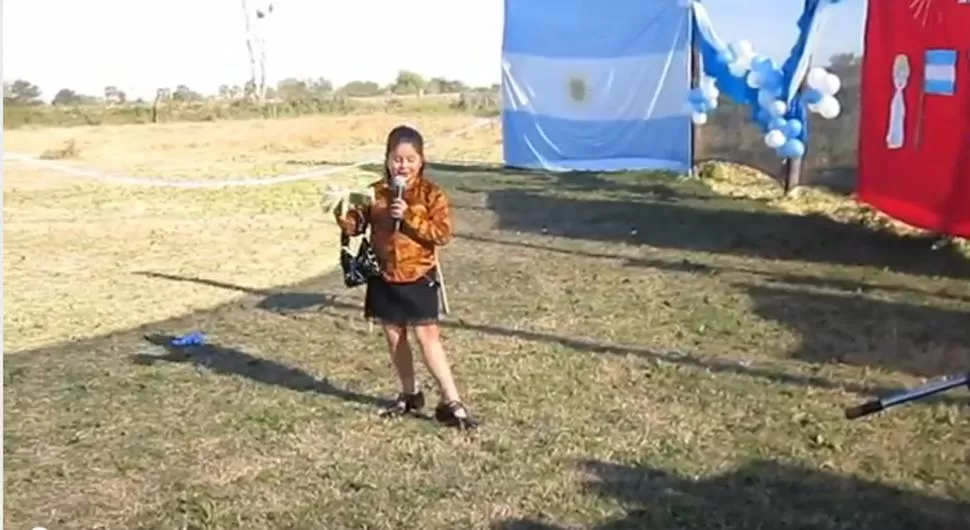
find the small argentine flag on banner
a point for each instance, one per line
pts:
(940, 73)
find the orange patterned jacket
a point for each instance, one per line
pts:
(407, 255)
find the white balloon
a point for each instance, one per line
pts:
(708, 88)
(746, 60)
(745, 47)
(712, 103)
(778, 107)
(743, 52)
(831, 85)
(775, 139)
(699, 118)
(737, 69)
(754, 79)
(816, 77)
(829, 107)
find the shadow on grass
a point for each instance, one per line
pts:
(920, 340)
(847, 328)
(450, 167)
(688, 266)
(282, 302)
(229, 361)
(574, 181)
(293, 302)
(724, 225)
(763, 494)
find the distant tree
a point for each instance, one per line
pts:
(408, 82)
(257, 23)
(184, 93)
(440, 85)
(66, 96)
(113, 96)
(847, 66)
(292, 89)
(845, 60)
(21, 92)
(320, 86)
(360, 89)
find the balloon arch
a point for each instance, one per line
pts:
(780, 95)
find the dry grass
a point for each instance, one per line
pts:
(230, 149)
(73, 247)
(645, 352)
(735, 180)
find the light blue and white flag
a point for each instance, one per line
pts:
(596, 86)
(940, 72)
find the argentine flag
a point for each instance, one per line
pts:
(596, 86)
(940, 72)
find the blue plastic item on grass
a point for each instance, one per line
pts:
(196, 338)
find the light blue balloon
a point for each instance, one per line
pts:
(761, 64)
(777, 123)
(769, 82)
(726, 57)
(793, 128)
(696, 96)
(793, 148)
(812, 96)
(763, 117)
(771, 79)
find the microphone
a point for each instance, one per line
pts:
(398, 182)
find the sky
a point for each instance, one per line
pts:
(139, 46)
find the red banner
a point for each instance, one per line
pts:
(914, 137)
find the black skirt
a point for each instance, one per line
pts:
(403, 304)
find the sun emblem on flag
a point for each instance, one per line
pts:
(927, 12)
(578, 89)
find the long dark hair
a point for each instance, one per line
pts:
(402, 134)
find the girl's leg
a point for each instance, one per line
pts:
(435, 359)
(451, 409)
(401, 356)
(410, 397)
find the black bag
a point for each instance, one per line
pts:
(359, 268)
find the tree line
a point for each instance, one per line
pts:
(729, 134)
(22, 92)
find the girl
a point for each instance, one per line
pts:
(405, 234)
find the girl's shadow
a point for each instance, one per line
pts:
(223, 360)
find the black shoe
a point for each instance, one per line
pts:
(454, 414)
(404, 404)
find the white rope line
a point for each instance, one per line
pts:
(210, 184)
(189, 184)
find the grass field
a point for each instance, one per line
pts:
(645, 352)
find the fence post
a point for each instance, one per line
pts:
(793, 174)
(794, 169)
(694, 81)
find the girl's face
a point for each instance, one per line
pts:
(404, 160)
